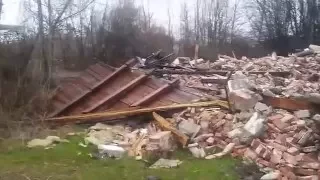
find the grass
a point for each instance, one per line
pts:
(69, 161)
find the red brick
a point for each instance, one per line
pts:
(287, 118)
(278, 146)
(293, 151)
(264, 163)
(274, 128)
(289, 158)
(287, 171)
(310, 165)
(260, 150)
(275, 117)
(305, 172)
(291, 128)
(255, 143)
(279, 124)
(276, 156)
(308, 177)
(281, 139)
(307, 157)
(250, 154)
(267, 155)
(289, 139)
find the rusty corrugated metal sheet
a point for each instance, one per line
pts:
(102, 88)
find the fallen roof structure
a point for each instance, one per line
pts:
(102, 87)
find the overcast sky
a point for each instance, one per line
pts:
(12, 10)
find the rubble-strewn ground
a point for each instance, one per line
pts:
(71, 161)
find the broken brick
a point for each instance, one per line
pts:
(293, 151)
(309, 149)
(264, 163)
(278, 146)
(255, 143)
(275, 117)
(305, 172)
(290, 158)
(279, 124)
(309, 165)
(305, 137)
(276, 156)
(281, 139)
(314, 177)
(287, 118)
(250, 154)
(287, 172)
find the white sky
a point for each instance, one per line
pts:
(12, 10)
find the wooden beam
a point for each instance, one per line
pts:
(156, 93)
(118, 94)
(167, 126)
(119, 114)
(92, 89)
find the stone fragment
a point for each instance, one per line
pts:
(271, 176)
(302, 113)
(261, 107)
(229, 117)
(196, 151)
(235, 133)
(316, 117)
(162, 140)
(165, 163)
(228, 149)
(210, 140)
(255, 125)
(240, 95)
(202, 137)
(189, 128)
(305, 137)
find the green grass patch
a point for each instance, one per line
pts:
(71, 161)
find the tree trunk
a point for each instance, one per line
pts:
(45, 65)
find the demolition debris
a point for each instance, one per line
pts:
(264, 110)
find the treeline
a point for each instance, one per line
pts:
(73, 33)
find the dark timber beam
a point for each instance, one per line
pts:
(165, 88)
(118, 94)
(93, 89)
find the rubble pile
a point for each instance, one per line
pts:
(276, 140)
(284, 144)
(273, 76)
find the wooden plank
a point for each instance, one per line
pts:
(167, 126)
(156, 93)
(117, 94)
(107, 115)
(136, 94)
